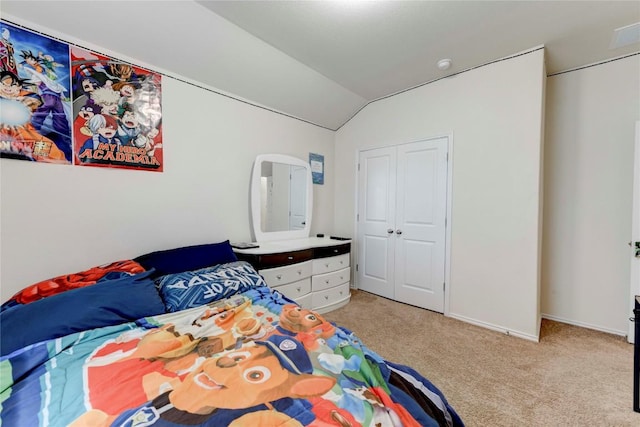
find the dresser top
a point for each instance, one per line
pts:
(291, 245)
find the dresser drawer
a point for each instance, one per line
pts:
(295, 290)
(287, 274)
(278, 259)
(325, 265)
(329, 251)
(329, 280)
(304, 301)
(330, 296)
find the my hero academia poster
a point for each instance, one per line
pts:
(85, 108)
(117, 113)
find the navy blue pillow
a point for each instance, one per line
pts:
(194, 288)
(103, 304)
(187, 258)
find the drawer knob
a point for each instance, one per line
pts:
(289, 257)
(299, 272)
(341, 262)
(326, 281)
(326, 297)
(279, 276)
(340, 292)
(335, 250)
(326, 265)
(340, 277)
(298, 288)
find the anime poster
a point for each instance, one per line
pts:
(63, 104)
(35, 104)
(116, 113)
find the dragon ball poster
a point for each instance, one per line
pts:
(35, 104)
(63, 104)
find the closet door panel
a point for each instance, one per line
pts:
(417, 264)
(420, 223)
(376, 221)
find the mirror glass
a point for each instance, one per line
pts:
(281, 198)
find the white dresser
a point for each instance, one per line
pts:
(314, 271)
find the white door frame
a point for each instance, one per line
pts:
(447, 254)
(635, 234)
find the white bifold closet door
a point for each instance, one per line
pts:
(402, 194)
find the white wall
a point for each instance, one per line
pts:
(61, 219)
(591, 115)
(55, 219)
(495, 114)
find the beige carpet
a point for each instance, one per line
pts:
(572, 377)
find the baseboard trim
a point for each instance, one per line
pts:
(496, 328)
(584, 325)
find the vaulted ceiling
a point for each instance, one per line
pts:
(322, 61)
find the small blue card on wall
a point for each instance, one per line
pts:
(317, 168)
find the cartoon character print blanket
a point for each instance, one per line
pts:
(251, 360)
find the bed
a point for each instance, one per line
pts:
(192, 336)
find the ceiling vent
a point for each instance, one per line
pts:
(625, 36)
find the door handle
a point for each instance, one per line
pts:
(398, 231)
(390, 230)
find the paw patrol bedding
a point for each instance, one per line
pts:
(252, 359)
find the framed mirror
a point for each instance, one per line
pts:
(281, 198)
